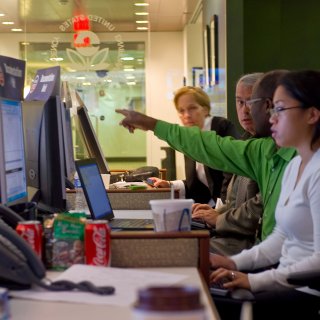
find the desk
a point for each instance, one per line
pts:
(123, 199)
(137, 199)
(136, 214)
(38, 310)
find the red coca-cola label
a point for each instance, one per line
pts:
(31, 232)
(97, 243)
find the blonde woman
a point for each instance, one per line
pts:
(202, 184)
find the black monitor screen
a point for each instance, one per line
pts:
(45, 153)
(90, 139)
(13, 186)
(96, 195)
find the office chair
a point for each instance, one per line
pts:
(310, 279)
(305, 278)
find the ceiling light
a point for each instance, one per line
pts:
(141, 13)
(128, 69)
(16, 30)
(131, 83)
(127, 58)
(142, 21)
(130, 77)
(2, 14)
(56, 59)
(7, 22)
(141, 4)
(142, 28)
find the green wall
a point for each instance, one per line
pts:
(235, 53)
(270, 34)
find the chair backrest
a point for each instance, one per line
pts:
(147, 249)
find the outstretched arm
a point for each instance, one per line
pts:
(135, 120)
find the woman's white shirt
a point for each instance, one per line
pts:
(295, 241)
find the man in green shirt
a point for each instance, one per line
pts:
(258, 159)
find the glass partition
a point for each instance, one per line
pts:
(106, 50)
(106, 79)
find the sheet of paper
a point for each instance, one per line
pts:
(126, 185)
(126, 282)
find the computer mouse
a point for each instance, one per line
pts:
(242, 294)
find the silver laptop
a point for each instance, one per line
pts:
(98, 200)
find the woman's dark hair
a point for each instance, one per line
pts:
(304, 86)
(267, 84)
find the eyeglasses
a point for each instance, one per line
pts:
(251, 102)
(241, 102)
(247, 103)
(276, 110)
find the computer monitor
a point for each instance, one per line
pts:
(67, 134)
(12, 153)
(45, 154)
(90, 139)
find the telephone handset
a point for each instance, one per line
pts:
(9, 216)
(20, 267)
(19, 263)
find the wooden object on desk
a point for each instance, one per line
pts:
(145, 249)
(162, 172)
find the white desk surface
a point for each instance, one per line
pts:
(39, 310)
(135, 214)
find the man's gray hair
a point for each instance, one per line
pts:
(248, 80)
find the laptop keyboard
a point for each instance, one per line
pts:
(131, 223)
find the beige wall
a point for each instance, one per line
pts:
(164, 76)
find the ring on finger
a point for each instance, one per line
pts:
(233, 275)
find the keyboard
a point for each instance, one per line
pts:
(196, 224)
(133, 224)
(199, 225)
(218, 289)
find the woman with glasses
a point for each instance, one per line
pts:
(295, 242)
(202, 184)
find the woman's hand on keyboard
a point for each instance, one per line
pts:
(230, 279)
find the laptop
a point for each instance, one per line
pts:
(98, 201)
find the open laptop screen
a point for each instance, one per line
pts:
(96, 195)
